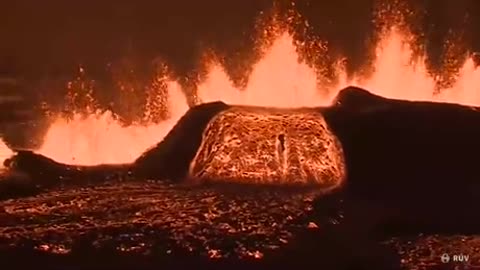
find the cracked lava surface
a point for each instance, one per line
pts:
(270, 146)
(152, 218)
(133, 217)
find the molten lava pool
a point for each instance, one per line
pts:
(269, 146)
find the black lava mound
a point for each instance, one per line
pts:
(171, 158)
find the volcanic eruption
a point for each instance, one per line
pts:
(278, 79)
(394, 154)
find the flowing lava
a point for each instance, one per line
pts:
(265, 145)
(279, 79)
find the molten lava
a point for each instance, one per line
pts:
(269, 146)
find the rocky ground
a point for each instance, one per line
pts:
(133, 222)
(425, 251)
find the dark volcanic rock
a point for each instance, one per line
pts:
(171, 158)
(32, 173)
(416, 160)
(358, 99)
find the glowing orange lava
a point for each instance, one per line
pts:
(5, 153)
(270, 146)
(279, 79)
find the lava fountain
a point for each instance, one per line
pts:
(100, 138)
(279, 79)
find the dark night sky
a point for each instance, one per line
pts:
(54, 36)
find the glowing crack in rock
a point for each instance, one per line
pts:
(269, 146)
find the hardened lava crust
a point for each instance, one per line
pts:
(146, 225)
(141, 217)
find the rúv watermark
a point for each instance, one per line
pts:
(454, 258)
